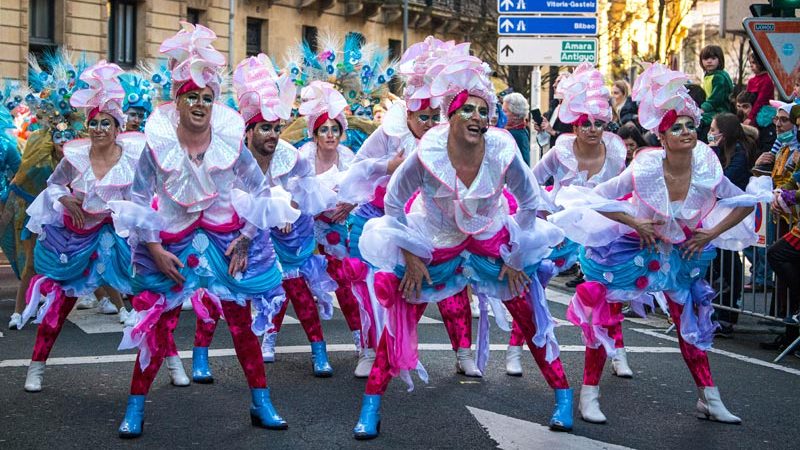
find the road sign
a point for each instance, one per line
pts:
(777, 42)
(546, 25)
(547, 6)
(535, 51)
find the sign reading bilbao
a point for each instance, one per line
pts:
(777, 42)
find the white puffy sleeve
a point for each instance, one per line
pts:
(135, 218)
(367, 170)
(384, 237)
(531, 238)
(259, 205)
(741, 235)
(546, 167)
(46, 208)
(580, 217)
(311, 196)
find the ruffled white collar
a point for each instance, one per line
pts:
(613, 165)
(283, 160)
(120, 175)
(227, 131)
(651, 187)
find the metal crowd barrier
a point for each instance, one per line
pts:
(730, 272)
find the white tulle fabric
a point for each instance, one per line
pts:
(186, 191)
(296, 175)
(259, 89)
(415, 68)
(659, 90)
(450, 212)
(75, 172)
(582, 223)
(278, 211)
(584, 92)
(369, 169)
(561, 164)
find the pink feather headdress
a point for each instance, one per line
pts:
(662, 95)
(261, 93)
(105, 92)
(414, 67)
(321, 99)
(584, 94)
(194, 61)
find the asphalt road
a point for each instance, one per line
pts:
(84, 398)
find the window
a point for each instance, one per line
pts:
(254, 36)
(122, 33)
(310, 37)
(41, 29)
(194, 16)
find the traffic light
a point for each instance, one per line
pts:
(784, 8)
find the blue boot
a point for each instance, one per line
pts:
(131, 426)
(319, 358)
(201, 373)
(562, 414)
(369, 422)
(262, 413)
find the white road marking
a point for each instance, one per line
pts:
(758, 362)
(221, 352)
(515, 434)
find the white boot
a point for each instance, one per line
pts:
(176, 372)
(474, 307)
(465, 363)
(513, 364)
(590, 404)
(710, 407)
(187, 305)
(16, 322)
(619, 364)
(268, 347)
(33, 382)
(365, 362)
(87, 302)
(106, 307)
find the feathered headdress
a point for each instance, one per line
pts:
(104, 93)
(51, 90)
(321, 101)
(457, 76)
(139, 91)
(414, 65)
(194, 61)
(663, 97)
(262, 94)
(360, 71)
(584, 94)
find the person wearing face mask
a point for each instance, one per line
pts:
(458, 233)
(79, 250)
(323, 106)
(265, 102)
(208, 239)
(55, 124)
(586, 157)
(660, 242)
(365, 185)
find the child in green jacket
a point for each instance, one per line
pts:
(716, 83)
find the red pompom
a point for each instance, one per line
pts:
(653, 266)
(333, 238)
(192, 261)
(642, 282)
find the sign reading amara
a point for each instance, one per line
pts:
(546, 25)
(546, 6)
(777, 42)
(536, 51)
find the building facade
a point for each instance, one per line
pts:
(126, 31)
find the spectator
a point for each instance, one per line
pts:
(633, 140)
(550, 123)
(624, 109)
(763, 120)
(516, 108)
(759, 84)
(717, 85)
(734, 150)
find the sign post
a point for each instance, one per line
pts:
(541, 51)
(777, 42)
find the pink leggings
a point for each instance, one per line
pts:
(304, 306)
(696, 359)
(457, 318)
(248, 350)
(46, 335)
(344, 293)
(553, 372)
(615, 332)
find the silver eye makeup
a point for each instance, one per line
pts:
(326, 130)
(467, 111)
(268, 128)
(677, 129)
(193, 99)
(99, 125)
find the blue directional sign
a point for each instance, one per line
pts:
(546, 25)
(547, 6)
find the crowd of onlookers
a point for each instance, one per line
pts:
(751, 136)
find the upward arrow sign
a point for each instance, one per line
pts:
(507, 4)
(507, 25)
(507, 50)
